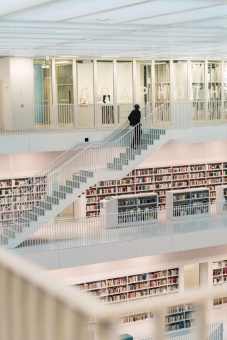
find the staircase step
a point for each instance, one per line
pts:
(17, 227)
(30, 215)
(114, 166)
(86, 173)
(39, 210)
(66, 189)
(3, 239)
(120, 161)
(59, 194)
(46, 204)
(127, 156)
(132, 151)
(8, 232)
(72, 184)
(52, 200)
(23, 220)
(79, 178)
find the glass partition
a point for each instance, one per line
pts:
(225, 89)
(42, 90)
(85, 93)
(105, 95)
(162, 82)
(198, 89)
(180, 80)
(124, 89)
(64, 82)
(214, 90)
(143, 82)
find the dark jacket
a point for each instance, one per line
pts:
(134, 117)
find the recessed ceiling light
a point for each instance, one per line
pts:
(102, 19)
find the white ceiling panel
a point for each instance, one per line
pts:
(15, 6)
(67, 9)
(127, 28)
(149, 9)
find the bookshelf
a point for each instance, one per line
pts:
(11, 192)
(180, 317)
(187, 202)
(221, 194)
(120, 210)
(219, 277)
(134, 286)
(159, 180)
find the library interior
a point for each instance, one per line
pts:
(105, 235)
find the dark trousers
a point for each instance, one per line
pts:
(136, 136)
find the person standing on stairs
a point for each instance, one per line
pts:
(134, 119)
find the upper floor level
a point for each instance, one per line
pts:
(68, 94)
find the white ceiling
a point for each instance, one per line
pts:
(121, 28)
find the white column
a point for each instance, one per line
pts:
(206, 89)
(116, 115)
(222, 90)
(134, 97)
(152, 85)
(75, 94)
(96, 118)
(54, 106)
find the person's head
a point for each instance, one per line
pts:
(136, 106)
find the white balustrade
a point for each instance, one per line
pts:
(47, 117)
(34, 305)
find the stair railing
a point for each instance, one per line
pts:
(94, 157)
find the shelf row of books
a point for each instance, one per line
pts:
(160, 181)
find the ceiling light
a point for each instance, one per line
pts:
(110, 56)
(102, 19)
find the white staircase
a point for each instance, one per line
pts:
(78, 169)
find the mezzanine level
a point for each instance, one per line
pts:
(87, 240)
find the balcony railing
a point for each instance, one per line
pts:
(34, 305)
(44, 118)
(79, 232)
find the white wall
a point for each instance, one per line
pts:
(38, 142)
(22, 91)
(24, 164)
(6, 95)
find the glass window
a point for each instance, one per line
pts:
(42, 90)
(104, 82)
(197, 76)
(124, 82)
(85, 79)
(180, 80)
(162, 81)
(214, 80)
(143, 82)
(64, 81)
(43, 82)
